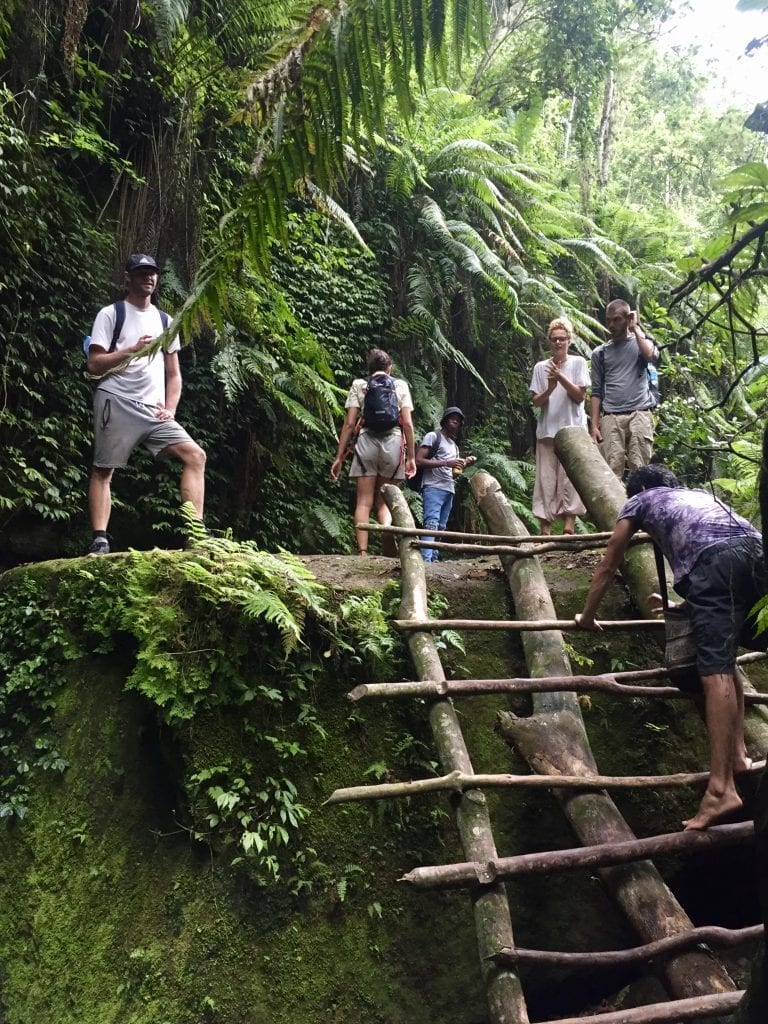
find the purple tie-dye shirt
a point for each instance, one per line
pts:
(684, 523)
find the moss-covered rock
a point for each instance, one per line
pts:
(123, 901)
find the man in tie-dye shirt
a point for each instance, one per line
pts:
(717, 561)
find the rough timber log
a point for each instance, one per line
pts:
(603, 496)
(699, 1008)
(493, 923)
(621, 957)
(607, 683)
(435, 625)
(455, 782)
(754, 1007)
(554, 741)
(459, 876)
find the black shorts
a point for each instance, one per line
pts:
(720, 590)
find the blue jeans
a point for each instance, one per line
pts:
(437, 507)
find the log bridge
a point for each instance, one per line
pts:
(553, 740)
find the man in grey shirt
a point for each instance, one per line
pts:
(136, 397)
(621, 399)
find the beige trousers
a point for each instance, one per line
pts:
(627, 440)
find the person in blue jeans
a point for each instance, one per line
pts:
(440, 465)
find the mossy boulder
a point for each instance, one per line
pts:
(128, 894)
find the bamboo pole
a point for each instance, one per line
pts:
(530, 625)
(676, 1012)
(712, 936)
(607, 683)
(458, 876)
(554, 739)
(493, 924)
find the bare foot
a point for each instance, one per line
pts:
(743, 764)
(713, 809)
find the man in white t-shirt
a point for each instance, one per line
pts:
(136, 397)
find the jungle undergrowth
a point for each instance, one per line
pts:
(193, 625)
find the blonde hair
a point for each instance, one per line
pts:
(563, 323)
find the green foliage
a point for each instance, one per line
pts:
(227, 579)
(368, 617)
(46, 235)
(192, 623)
(264, 819)
(37, 642)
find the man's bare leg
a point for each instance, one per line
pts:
(569, 524)
(100, 497)
(192, 484)
(723, 718)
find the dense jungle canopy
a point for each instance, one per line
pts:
(437, 179)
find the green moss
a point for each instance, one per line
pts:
(120, 903)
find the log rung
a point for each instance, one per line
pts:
(712, 936)
(469, 874)
(675, 1012)
(528, 625)
(459, 782)
(535, 538)
(603, 683)
(514, 550)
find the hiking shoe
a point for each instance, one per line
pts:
(99, 546)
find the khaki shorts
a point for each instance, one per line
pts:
(379, 455)
(120, 425)
(627, 440)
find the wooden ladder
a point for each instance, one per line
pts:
(699, 985)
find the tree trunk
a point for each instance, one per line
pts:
(491, 909)
(603, 494)
(637, 887)
(569, 128)
(754, 1007)
(605, 131)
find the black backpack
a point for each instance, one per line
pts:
(380, 409)
(119, 321)
(416, 482)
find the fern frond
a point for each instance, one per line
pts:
(167, 17)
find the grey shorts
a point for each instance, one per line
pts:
(379, 455)
(726, 581)
(120, 425)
